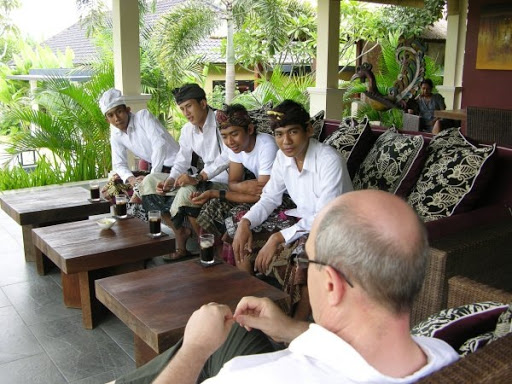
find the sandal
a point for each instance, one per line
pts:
(178, 254)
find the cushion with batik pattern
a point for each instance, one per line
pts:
(389, 162)
(454, 177)
(261, 119)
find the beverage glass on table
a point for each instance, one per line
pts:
(121, 206)
(206, 242)
(155, 223)
(94, 187)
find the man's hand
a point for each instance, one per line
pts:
(164, 187)
(202, 198)
(185, 179)
(242, 242)
(267, 253)
(252, 187)
(265, 315)
(132, 180)
(208, 328)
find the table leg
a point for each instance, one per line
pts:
(71, 290)
(43, 264)
(28, 245)
(91, 308)
(143, 352)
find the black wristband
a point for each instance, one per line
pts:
(222, 194)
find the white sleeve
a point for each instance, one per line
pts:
(271, 198)
(183, 159)
(119, 158)
(219, 165)
(154, 130)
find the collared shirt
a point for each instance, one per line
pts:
(207, 144)
(320, 356)
(324, 176)
(146, 138)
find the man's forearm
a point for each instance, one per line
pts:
(184, 368)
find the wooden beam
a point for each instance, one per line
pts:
(404, 3)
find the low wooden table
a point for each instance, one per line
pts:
(156, 303)
(84, 252)
(32, 209)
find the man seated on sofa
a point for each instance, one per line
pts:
(141, 133)
(366, 254)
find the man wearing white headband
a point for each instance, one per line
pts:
(141, 133)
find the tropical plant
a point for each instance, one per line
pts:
(276, 89)
(69, 124)
(44, 173)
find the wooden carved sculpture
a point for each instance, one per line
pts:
(410, 56)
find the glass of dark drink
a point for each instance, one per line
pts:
(155, 223)
(94, 187)
(206, 242)
(121, 205)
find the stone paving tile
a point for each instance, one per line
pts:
(38, 369)
(38, 300)
(120, 333)
(80, 353)
(16, 340)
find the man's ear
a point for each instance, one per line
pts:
(309, 130)
(128, 109)
(203, 104)
(335, 286)
(250, 129)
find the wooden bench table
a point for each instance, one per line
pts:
(84, 252)
(38, 208)
(156, 303)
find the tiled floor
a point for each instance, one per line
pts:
(42, 341)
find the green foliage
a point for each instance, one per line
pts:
(276, 89)
(69, 124)
(43, 174)
(176, 35)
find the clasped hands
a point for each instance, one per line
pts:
(208, 327)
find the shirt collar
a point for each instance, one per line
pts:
(209, 122)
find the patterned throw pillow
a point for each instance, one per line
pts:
(389, 161)
(261, 119)
(455, 174)
(317, 122)
(353, 141)
(457, 325)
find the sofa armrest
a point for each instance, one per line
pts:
(490, 364)
(462, 291)
(482, 254)
(464, 221)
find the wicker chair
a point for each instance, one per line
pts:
(490, 125)
(483, 254)
(490, 364)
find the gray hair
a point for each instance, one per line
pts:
(389, 271)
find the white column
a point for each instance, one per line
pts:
(454, 53)
(326, 95)
(125, 26)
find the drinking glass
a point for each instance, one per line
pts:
(155, 223)
(94, 187)
(206, 242)
(121, 206)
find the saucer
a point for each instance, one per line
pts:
(124, 218)
(162, 234)
(101, 200)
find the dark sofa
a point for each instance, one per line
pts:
(476, 243)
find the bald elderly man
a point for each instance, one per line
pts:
(366, 254)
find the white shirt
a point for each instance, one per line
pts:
(208, 145)
(146, 138)
(324, 176)
(320, 356)
(259, 161)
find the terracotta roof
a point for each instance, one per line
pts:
(85, 51)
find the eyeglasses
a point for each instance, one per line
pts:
(305, 263)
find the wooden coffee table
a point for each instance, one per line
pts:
(84, 252)
(156, 303)
(37, 208)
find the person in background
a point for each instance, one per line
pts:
(367, 256)
(312, 174)
(200, 136)
(140, 133)
(426, 103)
